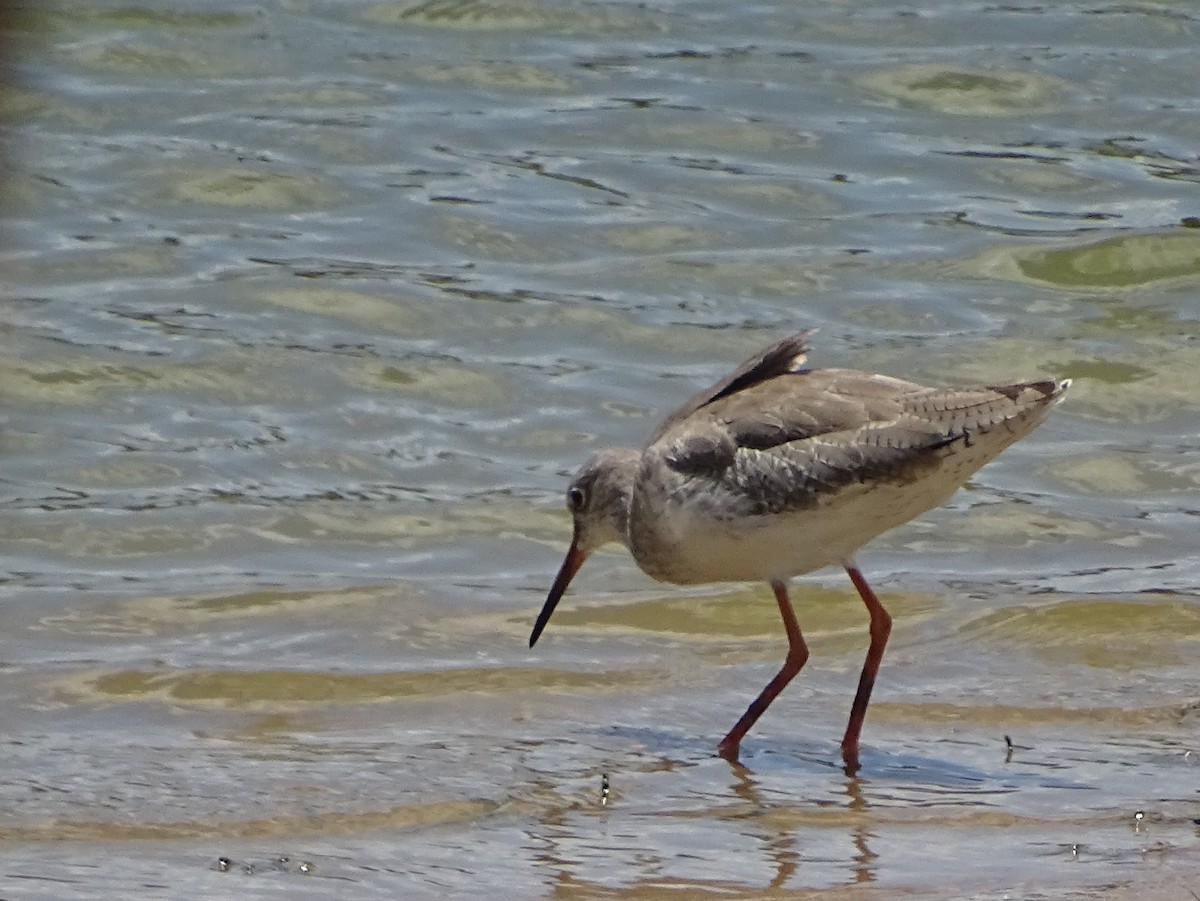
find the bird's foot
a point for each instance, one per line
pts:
(850, 759)
(729, 750)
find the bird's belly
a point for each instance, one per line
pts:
(689, 543)
(762, 548)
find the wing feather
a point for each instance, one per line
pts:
(784, 356)
(784, 444)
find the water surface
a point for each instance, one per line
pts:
(311, 309)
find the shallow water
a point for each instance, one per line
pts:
(311, 310)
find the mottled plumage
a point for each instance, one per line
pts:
(779, 469)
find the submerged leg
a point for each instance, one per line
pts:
(881, 628)
(796, 656)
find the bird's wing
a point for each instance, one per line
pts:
(789, 442)
(784, 356)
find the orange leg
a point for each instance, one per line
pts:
(796, 656)
(881, 628)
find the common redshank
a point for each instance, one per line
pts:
(779, 469)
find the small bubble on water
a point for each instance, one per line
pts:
(306, 867)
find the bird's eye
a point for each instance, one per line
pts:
(575, 498)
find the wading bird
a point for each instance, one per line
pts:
(780, 469)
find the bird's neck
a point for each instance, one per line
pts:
(619, 480)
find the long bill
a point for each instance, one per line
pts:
(570, 566)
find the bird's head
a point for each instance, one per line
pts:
(598, 498)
